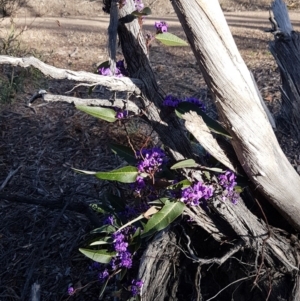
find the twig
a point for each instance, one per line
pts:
(218, 261)
(245, 278)
(263, 242)
(9, 176)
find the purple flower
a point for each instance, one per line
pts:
(139, 5)
(197, 102)
(94, 266)
(121, 114)
(151, 160)
(228, 181)
(161, 27)
(136, 286)
(103, 275)
(171, 101)
(194, 195)
(71, 291)
(109, 220)
(119, 72)
(138, 185)
(105, 71)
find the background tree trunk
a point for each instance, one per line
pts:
(286, 51)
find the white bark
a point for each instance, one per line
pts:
(110, 82)
(239, 105)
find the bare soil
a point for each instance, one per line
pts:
(39, 244)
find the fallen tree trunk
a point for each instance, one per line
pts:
(286, 51)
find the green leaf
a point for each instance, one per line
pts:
(159, 202)
(185, 164)
(104, 65)
(86, 172)
(102, 113)
(99, 242)
(125, 174)
(164, 217)
(214, 169)
(238, 189)
(182, 184)
(104, 229)
(145, 12)
(124, 152)
(102, 256)
(169, 39)
(213, 125)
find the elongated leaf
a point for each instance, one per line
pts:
(102, 256)
(145, 12)
(159, 202)
(185, 164)
(104, 65)
(86, 172)
(104, 229)
(169, 39)
(164, 217)
(124, 152)
(213, 125)
(99, 242)
(214, 169)
(182, 184)
(125, 174)
(102, 113)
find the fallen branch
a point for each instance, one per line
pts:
(112, 83)
(120, 103)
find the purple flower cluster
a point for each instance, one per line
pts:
(228, 181)
(136, 286)
(123, 257)
(120, 70)
(195, 194)
(151, 160)
(197, 102)
(139, 5)
(171, 101)
(161, 27)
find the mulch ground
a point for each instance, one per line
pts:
(39, 147)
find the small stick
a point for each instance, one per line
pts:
(9, 176)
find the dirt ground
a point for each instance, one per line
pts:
(38, 147)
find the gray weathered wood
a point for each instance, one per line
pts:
(281, 16)
(111, 83)
(286, 51)
(239, 105)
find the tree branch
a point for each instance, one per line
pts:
(112, 83)
(120, 103)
